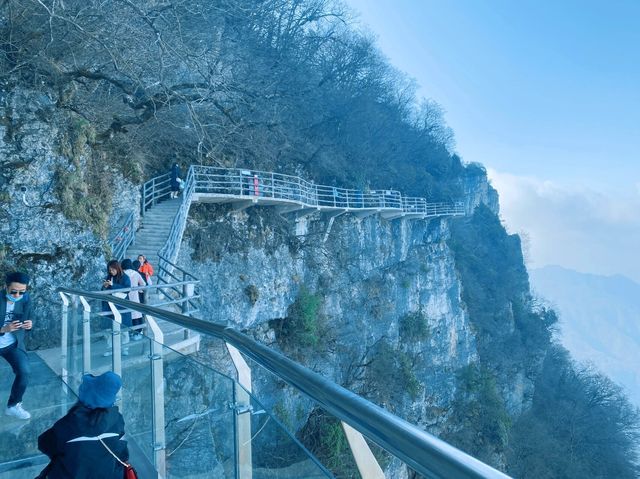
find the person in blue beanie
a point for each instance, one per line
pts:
(77, 443)
(15, 314)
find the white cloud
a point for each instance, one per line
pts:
(575, 227)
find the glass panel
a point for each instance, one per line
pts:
(137, 400)
(199, 419)
(276, 454)
(47, 401)
(212, 427)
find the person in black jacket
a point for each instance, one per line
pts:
(116, 279)
(15, 317)
(174, 182)
(75, 442)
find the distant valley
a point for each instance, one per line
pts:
(599, 320)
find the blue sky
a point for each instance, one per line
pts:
(547, 96)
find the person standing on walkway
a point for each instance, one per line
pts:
(77, 443)
(15, 310)
(116, 279)
(136, 282)
(145, 269)
(175, 184)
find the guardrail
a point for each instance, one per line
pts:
(423, 452)
(154, 190)
(123, 238)
(185, 289)
(172, 245)
(258, 185)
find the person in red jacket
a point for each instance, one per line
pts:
(145, 268)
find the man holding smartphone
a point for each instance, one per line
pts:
(15, 310)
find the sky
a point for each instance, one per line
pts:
(547, 96)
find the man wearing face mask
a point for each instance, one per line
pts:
(15, 312)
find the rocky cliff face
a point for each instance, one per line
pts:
(384, 315)
(59, 202)
(374, 305)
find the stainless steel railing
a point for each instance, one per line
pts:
(423, 452)
(126, 235)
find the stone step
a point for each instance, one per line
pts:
(150, 235)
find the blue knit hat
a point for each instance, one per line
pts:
(99, 391)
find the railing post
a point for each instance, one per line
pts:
(116, 340)
(144, 198)
(64, 331)
(86, 336)
(185, 303)
(157, 396)
(242, 423)
(365, 460)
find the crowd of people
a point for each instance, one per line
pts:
(88, 441)
(125, 275)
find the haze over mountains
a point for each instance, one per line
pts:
(599, 320)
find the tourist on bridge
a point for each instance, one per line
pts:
(175, 180)
(87, 442)
(116, 279)
(145, 269)
(15, 309)
(136, 282)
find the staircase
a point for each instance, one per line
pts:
(150, 238)
(154, 230)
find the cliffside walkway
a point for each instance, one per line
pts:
(244, 188)
(164, 219)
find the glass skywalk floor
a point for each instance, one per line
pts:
(47, 400)
(185, 420)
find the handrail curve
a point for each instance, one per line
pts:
(422, 451)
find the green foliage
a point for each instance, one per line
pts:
(302, 326)
(480, 423)
(390, 374)
(78, 135)
(496, 291)
(414, 326)
(281, 412)
(581, 425)
(85, 194)
(324, 437)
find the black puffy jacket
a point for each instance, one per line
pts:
(74, 449)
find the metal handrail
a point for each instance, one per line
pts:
(123, 238)
(172, 245)
(154, 190)
(257, 184)
(166, 271)
(423, 452)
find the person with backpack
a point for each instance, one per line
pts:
(87, 442)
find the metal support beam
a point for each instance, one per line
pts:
(365, 214)
(64, 345)
(243, 414)
(86, 335)
(392, 216)
(365, 460)
(242, 205)
(331, 216)
(157, 397)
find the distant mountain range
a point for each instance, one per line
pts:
(599, 320)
